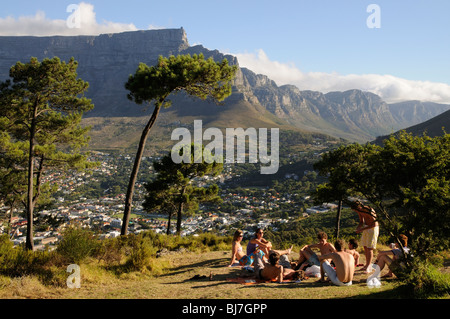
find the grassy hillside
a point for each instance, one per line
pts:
(178, 281)
(150, 266)
(123, 133)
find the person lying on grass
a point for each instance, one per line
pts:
(272, 271)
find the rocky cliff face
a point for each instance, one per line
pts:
(414, 112)
(352, 112)
(107, 60)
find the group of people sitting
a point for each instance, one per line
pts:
(335, 261)
(268, 264)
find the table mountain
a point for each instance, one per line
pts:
(106, 61)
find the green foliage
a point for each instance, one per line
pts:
(40, 114)
(192, 74)
(345, 168)
(6, 248)
(427, 281)
(12, 180)
(43, 102)
(412, 179)
(141, 252)
(407, 180)
(111, 251)
(202, 242)
(173, 189)
(48, 267)
(77, 244)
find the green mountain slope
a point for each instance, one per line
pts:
(123, 133)
(433, 127)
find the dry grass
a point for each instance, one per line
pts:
(177, 283)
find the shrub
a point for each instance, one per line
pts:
(6, 249)
(77, 244)
(18, 262)
(212, 241)
(425, 280)
(141, 252)
(140, 257)
(110, 251)
(436, 260)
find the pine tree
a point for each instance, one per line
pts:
(343, 167)
(174, 191)
(40, 113)
(194, 75)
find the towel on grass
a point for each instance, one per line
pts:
(252, 281)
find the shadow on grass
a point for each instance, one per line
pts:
(217, 279)
(397, 292)
(199, 278)
(212, 263)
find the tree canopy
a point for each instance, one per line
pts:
(407, 180)
(174, 189)
(195, 75)
(40, 115)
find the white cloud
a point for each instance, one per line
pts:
(155, 27)
(390, 88)
(82, 22)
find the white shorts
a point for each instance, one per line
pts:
(331, 274)
(369, 237)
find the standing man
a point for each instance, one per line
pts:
(368, 226)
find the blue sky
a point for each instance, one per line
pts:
(324, 44)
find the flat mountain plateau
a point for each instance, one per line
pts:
(107, 60)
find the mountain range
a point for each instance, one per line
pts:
(107, 60)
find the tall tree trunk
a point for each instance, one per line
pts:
(338, 218)
(29, 244)
(180, 211)
(11, 220)
(137, 163)
(168, 223)
(179, 214)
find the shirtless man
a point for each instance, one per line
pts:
(352, 245)
(272, 270)
(368, 226)
(309, 256)
(345, 266)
